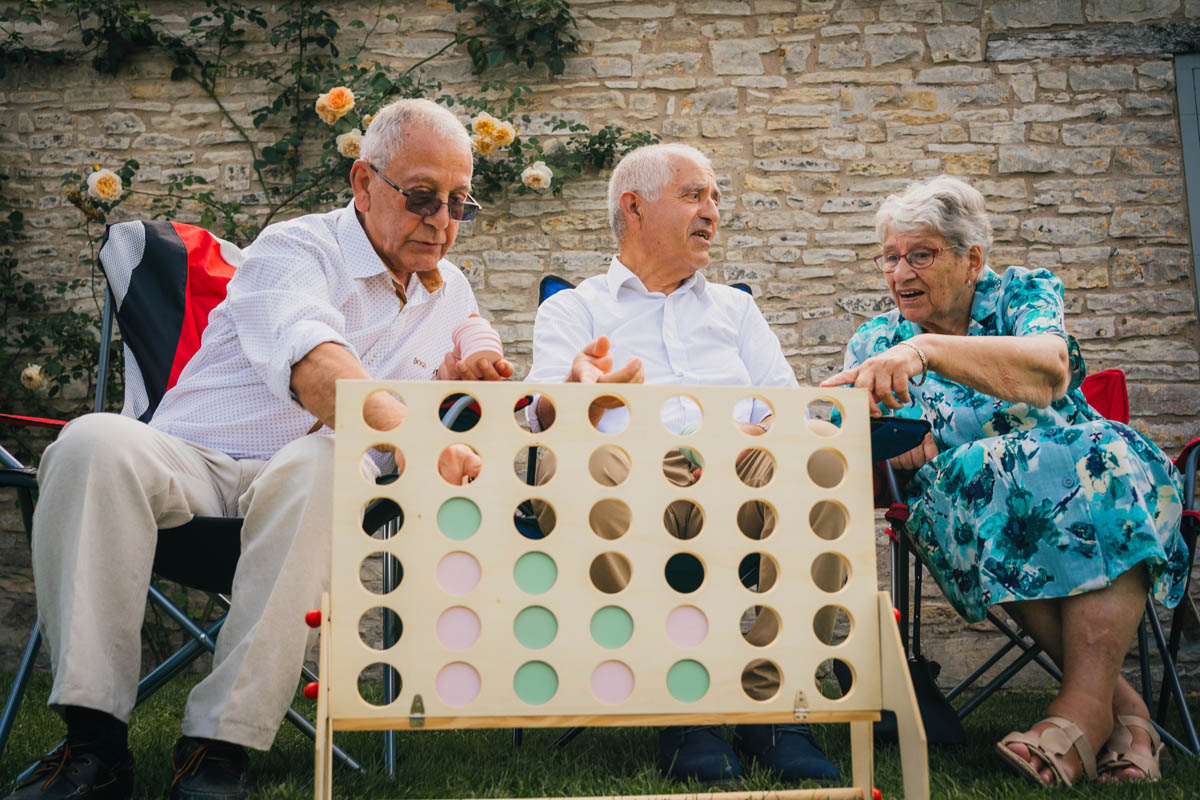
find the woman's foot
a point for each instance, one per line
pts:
(1054, 752)
(1132, 750)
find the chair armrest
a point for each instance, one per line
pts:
(32, 422)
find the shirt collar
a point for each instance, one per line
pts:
(987, 300)
(350, 232)
(620, 275)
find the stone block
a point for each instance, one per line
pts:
(1142, 266)
(665, 64)
(1057, 230)
(1138, 104)
(122, 123)
(866, 305)
(997, 132)
(540, 123)
(724, 8)
(1038, 158)
(1139, 326)
(1092, 327)
(669, 84)
(723, 29)
(159, 141)
(797, 163)
(1157, 222)
(598, 67)
(635, 11)
(795, 58)
(1102, 78)
(1157, 301)
(830, 331)
(1036, 13)
(1147, 160)
(1158, 399)
(1042, 132)
(954, 43)
(895, 77)
(825, 255)
(590, 261)
(890, 48)
(1128, 190)
(590, 101)
(910, 11)
(739, 56)
(1103, 107)
(962, 10)
(719, 101)
(1092, 134)
(1156, 75)
(1130, 10)
(841, 54)
(955, 74)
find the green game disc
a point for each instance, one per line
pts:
(535, 682)
(458, 518)
(535, 572)
(611, 627)
(687, 680)
(535, 627)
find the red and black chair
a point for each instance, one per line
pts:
(164, 278)
(1106, 392)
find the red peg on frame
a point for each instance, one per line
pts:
(312, 618)
(876, 794)
(311, 689)
(896, 613)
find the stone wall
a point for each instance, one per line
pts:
(812, 112)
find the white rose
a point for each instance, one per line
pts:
(349, 144)
(537, 175)
(33, 379)
(104, 184)
(484, 145)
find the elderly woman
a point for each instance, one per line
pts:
(1022, 494)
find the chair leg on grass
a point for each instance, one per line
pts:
(17, 692)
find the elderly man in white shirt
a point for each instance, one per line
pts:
(362, 291)
(655, 313)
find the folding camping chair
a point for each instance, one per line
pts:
(163, 280)
(1106, 392)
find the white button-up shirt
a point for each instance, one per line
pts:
(305, 281)
(700, 334)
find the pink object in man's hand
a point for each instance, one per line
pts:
(475, 339)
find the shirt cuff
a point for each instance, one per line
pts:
(535, 424)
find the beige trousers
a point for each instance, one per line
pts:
(107, 485)
(610, 467)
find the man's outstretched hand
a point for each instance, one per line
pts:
(594, 365)
(458, 463)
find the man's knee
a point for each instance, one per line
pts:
(93, 441)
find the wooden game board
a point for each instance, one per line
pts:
(501, 630)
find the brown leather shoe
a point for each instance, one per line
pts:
(209, 769)
(73, 772)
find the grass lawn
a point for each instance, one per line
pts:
(604, 761)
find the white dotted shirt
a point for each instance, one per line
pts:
(702, 334)
(305, 281)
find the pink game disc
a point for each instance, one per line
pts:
(457, 684)
(458, 573)
(612, 682)
(687, 626)
(458, 628)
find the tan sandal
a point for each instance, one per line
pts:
(1118, 756)
(1050, 745)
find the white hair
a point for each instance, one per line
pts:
(385, 135)
(644, 171)
(949, 206)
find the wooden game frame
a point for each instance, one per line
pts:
(872, 650)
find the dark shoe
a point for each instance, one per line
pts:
(208, 769)
(697, 752)
(786, 749)
(72, 772)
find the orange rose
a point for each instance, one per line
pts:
(334, 104)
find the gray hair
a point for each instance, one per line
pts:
(645, 171)
(948, 205)
(385, 134)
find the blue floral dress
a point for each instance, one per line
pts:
(1030, 503)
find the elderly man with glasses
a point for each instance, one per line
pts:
(363, 291)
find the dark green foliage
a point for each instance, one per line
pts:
(521, 32)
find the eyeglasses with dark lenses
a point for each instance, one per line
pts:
(920, 258)
(426, 203)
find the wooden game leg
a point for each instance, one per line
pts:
(899, 697)
(862, 756)
(323, 774)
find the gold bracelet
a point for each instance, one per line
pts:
(924, 363)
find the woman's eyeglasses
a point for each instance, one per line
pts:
(920, 258)
(426, 203)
